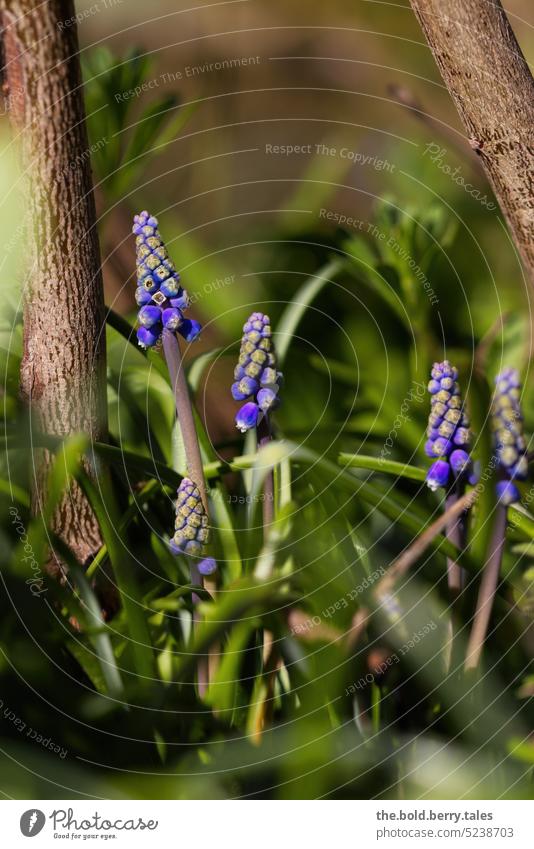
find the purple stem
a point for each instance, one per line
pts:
(455, 532)
(264, 437)
(487, 590)
(173, 355)
(195, 469)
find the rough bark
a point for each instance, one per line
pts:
(490, 82)
(63, 367)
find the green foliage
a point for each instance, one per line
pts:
(124, 139)
(116, 683)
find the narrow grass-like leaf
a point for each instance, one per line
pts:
(295, 310)
(225, 688)
(222, 521)
(123, 567)
(94, 622)
(377, 464)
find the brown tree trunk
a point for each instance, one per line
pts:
(490, 82)
(63, 366)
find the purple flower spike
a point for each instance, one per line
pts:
(158, 284)
(448, 426)
(509, 440)
(191, 526)
(247, 417)
(507, 493)
(255, 374)
(438, 475)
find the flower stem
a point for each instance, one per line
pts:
(184, 410)
(271, 654)
(264, 437)
(455, 532)
(487, 590)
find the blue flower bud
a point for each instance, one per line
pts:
(171, 287)
(149, 315)
(438, 475)
(247, 417)
(507, 493)
(268, 377)
(244, 388)
(147, 337)
(172, 318)
(190, 329)
(442, 446)
(207, 566)
(267, 399)
(181, 302)
(429, 448)
(142, 297)
(459, 460)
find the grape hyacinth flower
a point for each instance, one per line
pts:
(448, 427)
(510, 443)
(511, 453)
(192, 534)
(161, 298)
(255, 374)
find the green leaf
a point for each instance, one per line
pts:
(148, 491)
(225, 532)
(377, 464)
(109, 681)
(107, 514)
(199, 364)
(225, 689)
(148, 127)
(295, 310)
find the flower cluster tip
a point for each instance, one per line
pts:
(161, 299)
(256, 374)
